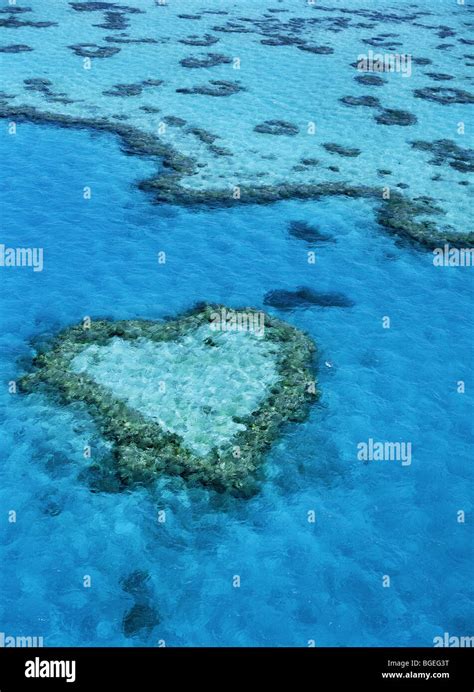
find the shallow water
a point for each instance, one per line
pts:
(300, 581)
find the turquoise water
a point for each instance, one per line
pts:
(299, 581)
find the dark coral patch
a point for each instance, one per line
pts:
(140, 617)
(309, 161)
(444, 95)
(318, 50)
(114, 21)
(369, 101)
(135, 583)
(310, 234)
(131, 41)
(150, 109)
(43, 86)
(37, 83)
(219, 151)
(16, 48)
(203, 41)
(232, 28)
(276, 127)
(14, 23)
(282, 41)
(13, 9)
(304, 297)
(123, 90)
(446, 32)
(218, 87)
(439, 76)
(92, 50)
(103, 6)
(370, 80)
(335, 148)
(174, 121)
(394, 116)
(210, 60)
(445, 151)
(203, 135)
(92, 6)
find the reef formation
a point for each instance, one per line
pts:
(199, 396)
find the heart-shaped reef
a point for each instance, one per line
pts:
(202, 396)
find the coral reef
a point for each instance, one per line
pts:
(369, 101)
(306, 297)
(397, 216)
(276, 127)
(335, 148)
(393, 116)
(209, 60)
(143, 446)
(370, 80)
(445, 151)
(310, 234)
(444, 95)
(92, 50)
(216, 87)
(16, 48)
(203, 41)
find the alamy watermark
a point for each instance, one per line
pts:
(41, 668)
(238, 321)
(448, 256)
(22, 257)
(452, 641)
(9, 641)
(384, 451)
(384, 62)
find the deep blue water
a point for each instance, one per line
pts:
(299, 581)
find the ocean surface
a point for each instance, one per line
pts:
(301, 582)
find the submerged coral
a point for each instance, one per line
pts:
(306, 297)
(276, 127)
(217, 439)
(209, 60)
(16, 48)
(445, 151)
(216, 87)
(310, 234)
(91, 50)
(370, 101)
(335, 148)
(394, 116)
(444, 95)
(370, 80)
